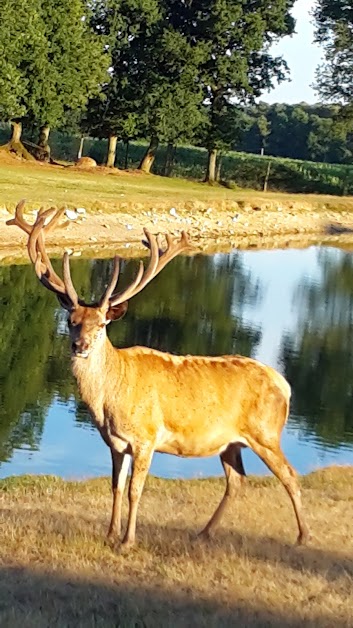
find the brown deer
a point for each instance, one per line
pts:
(143, 400)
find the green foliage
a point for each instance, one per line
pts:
(153, 88)
(234, 36)
(51, 61)
(74, 63)
(334, 30)
(22, 49)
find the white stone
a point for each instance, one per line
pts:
(70, 214)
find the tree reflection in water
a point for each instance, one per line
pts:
(318, 355)
(194, 306)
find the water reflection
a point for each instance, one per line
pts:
(318, 354)
(289, 308)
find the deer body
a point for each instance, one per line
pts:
(183, 405)
(143, 400)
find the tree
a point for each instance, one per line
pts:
(76, 65)
(154, 90)
(58, 62)
(174, 93)
(129, 28)
(22, 44)
(334, 30)
(236, 36)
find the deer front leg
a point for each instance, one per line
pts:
(142, 458)
(120, 467)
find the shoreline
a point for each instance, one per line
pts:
(215, 227)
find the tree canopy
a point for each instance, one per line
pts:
(52, 62)
(334, 30)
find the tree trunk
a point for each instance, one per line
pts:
(15, 145)
(267, 176)
(219, 167)
(211, 166)
(149, 156)
(16, 132)
(42, 153)
(127, 145)
(80, 148)
(169, 159)
(111, 151)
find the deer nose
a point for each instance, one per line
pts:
(80, 346)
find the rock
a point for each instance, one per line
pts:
(86, 162)
(71, 214)
(80, 210)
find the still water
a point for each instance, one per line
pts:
(292, 309)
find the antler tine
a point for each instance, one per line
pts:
(110, 288)
(54, 221)
(69, 286)
(43, 267)
(157, 262)
(142, 276)
(21, 222)
(42, 277)
(173, 249)
(19, 219)
(53, 214)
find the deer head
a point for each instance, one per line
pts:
(87, 322)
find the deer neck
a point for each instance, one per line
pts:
(90, 372)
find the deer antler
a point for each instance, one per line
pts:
(158, 260)
(46, 220)
(64, 288)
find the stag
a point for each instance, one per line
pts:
(142, 400)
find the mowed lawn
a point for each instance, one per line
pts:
(56, 569)
(109, 191)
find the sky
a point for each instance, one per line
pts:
(302, 57)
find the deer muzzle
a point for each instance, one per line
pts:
(80, 349)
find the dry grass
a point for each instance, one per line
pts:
(57, 571)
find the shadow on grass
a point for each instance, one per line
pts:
(32, 598)
(165, 542)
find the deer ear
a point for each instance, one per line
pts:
(116, 311)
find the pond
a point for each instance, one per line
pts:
(292, 309)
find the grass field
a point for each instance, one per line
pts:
(131, 191)
(245, 170)
(57, 571)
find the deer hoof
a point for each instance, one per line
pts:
(303, 539)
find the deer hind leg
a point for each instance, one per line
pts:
(280, 467)
(142, 458)
(120, 467)
(234, 472)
